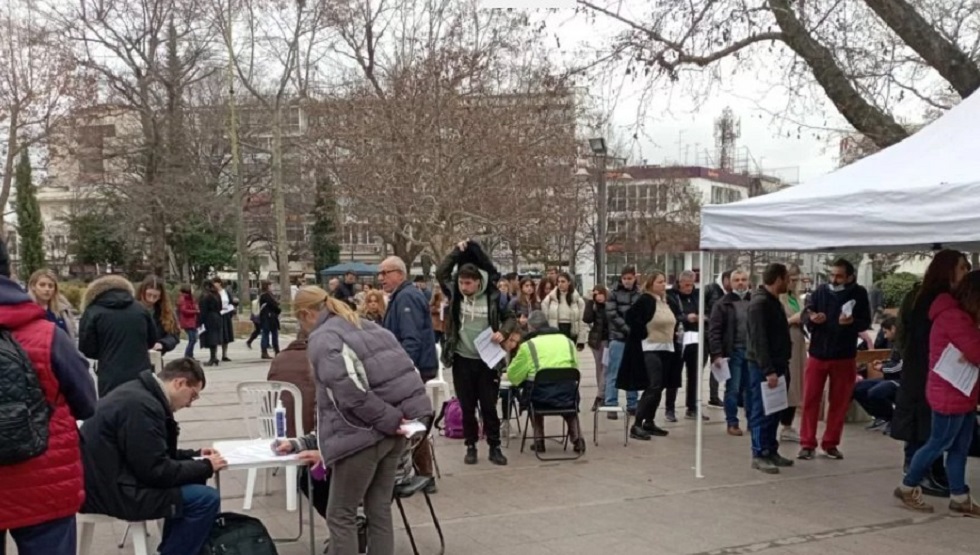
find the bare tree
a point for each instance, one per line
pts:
(449, 119)
(866, 57)
(40, 84)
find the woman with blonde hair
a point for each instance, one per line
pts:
(43, 288)
(374, 306)
(361, 413)
(152, 294)
(651, 352)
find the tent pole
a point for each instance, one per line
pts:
(699, 435)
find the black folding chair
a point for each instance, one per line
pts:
(552, 378)
(418, 484)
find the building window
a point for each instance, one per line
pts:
(724, 195)
(91, 148)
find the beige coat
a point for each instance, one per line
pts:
(557, 309)
(797, 360)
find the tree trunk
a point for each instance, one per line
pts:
(279, 202)
(945, 57)
(8, 165)
(871, 122)
(241, 244)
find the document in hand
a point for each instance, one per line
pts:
(848, 308)
(691, 338)
(953, 368)
(490, 352)
(412, 428)
(720, 370)
(774, 399)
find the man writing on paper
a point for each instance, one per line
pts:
(468, 278)
(133, 469)
(768, 354)
(546, 347)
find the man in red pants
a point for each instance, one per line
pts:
(835, 314)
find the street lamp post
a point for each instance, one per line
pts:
(598, 146)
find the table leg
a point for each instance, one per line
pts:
(309, 502)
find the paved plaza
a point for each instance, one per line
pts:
(641, 499)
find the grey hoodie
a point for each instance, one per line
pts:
(474, 316)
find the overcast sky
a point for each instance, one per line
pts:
(676, 128)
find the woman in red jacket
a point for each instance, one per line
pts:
(187, 312)
(955, 319)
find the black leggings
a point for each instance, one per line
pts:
(321, 492)
(655, 365)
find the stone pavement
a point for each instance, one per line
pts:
(639, 499)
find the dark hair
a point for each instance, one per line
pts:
(217, 281)
(186, 288)
(939, 274)
(349, 273)
(510, 276)
(4, 260)
(522, 298)
(773, 272)
(264, 285)
(186, 368)
(541, 285)
(600, 290)
(968, 294)
(628, 270)
(889, 323)
(727, 274)
(419, 279)
(571, 286)
(469, 271)
(846, 264)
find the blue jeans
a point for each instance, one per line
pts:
(733, 387)
(616, 350)
(54, 537)
(265, 343)
(951, 434)
(762, 427)
(877, 397)
(189, 533)
(191, 342)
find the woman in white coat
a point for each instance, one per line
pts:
(565, 308)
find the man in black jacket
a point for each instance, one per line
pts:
(687, 299)
(769, 351)
(469, 279)
(712, 294)
(133, 469)
(834, 332)
(728, 339)
(620, 300)
(116, 331)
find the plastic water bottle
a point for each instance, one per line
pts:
(280, 414)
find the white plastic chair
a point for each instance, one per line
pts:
(138, 530)
(438, 389)
(258, 400)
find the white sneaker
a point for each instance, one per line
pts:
(790, 435)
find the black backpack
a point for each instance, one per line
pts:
(24, 411)
(235, 534)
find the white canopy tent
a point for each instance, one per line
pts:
(922, 193)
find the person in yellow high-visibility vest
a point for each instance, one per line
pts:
(547, 347)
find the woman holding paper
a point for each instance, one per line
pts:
(367, 391)
(793, 306)
(951, 389)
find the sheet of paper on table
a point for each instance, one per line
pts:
(720, 370)
(490, 352)
(774, 399)
(259, 451)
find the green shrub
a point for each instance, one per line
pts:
(895, 287)
(73, 292)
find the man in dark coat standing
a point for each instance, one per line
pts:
(116, 331)
(133, 468)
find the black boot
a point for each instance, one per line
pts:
(265, 355)
(497, 456)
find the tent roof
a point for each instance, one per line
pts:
(922, 192)
(358, 268)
